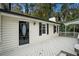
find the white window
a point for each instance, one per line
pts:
(43, 29)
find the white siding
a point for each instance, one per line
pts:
(0, 28)
(0, 33)
(9, 33)
(34, 33)
(51, 34)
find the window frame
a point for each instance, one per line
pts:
(43, 28)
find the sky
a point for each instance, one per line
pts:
(57, 7)
(73, 6)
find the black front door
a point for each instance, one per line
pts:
(23, 32)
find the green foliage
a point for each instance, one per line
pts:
(5, 6)
(16, 8)
(62, 26)
(69, 15)
(70, 28)
(43, 11)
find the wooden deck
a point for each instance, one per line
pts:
(49, 47)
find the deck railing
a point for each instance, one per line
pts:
(69, 34)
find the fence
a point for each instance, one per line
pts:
(69, 34)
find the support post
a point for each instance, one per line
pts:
(56, 28)
(74, 30)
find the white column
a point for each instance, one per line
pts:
(74, 30)
(58, 30)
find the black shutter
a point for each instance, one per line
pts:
(47, 28)
(40, 26)
(10, 6)
(54, 29)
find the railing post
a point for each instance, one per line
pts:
(58, 30)
(74, 31)
(65, 30)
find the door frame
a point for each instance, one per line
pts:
(19, 33)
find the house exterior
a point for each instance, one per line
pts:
(17, 30)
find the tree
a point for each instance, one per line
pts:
(42, 11)
(55, 12)
(70, 14)
(15, 7)
(37, 10)
(6, 6)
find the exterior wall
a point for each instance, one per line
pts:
(34, 33)
(10, 32)
(0, 33)
(51, 33)
(0, 28)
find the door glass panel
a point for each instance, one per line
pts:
(24, 29)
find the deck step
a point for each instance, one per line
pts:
(61, 53)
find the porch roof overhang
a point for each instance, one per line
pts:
(76, 21)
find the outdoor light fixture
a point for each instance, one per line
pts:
(34, 23)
